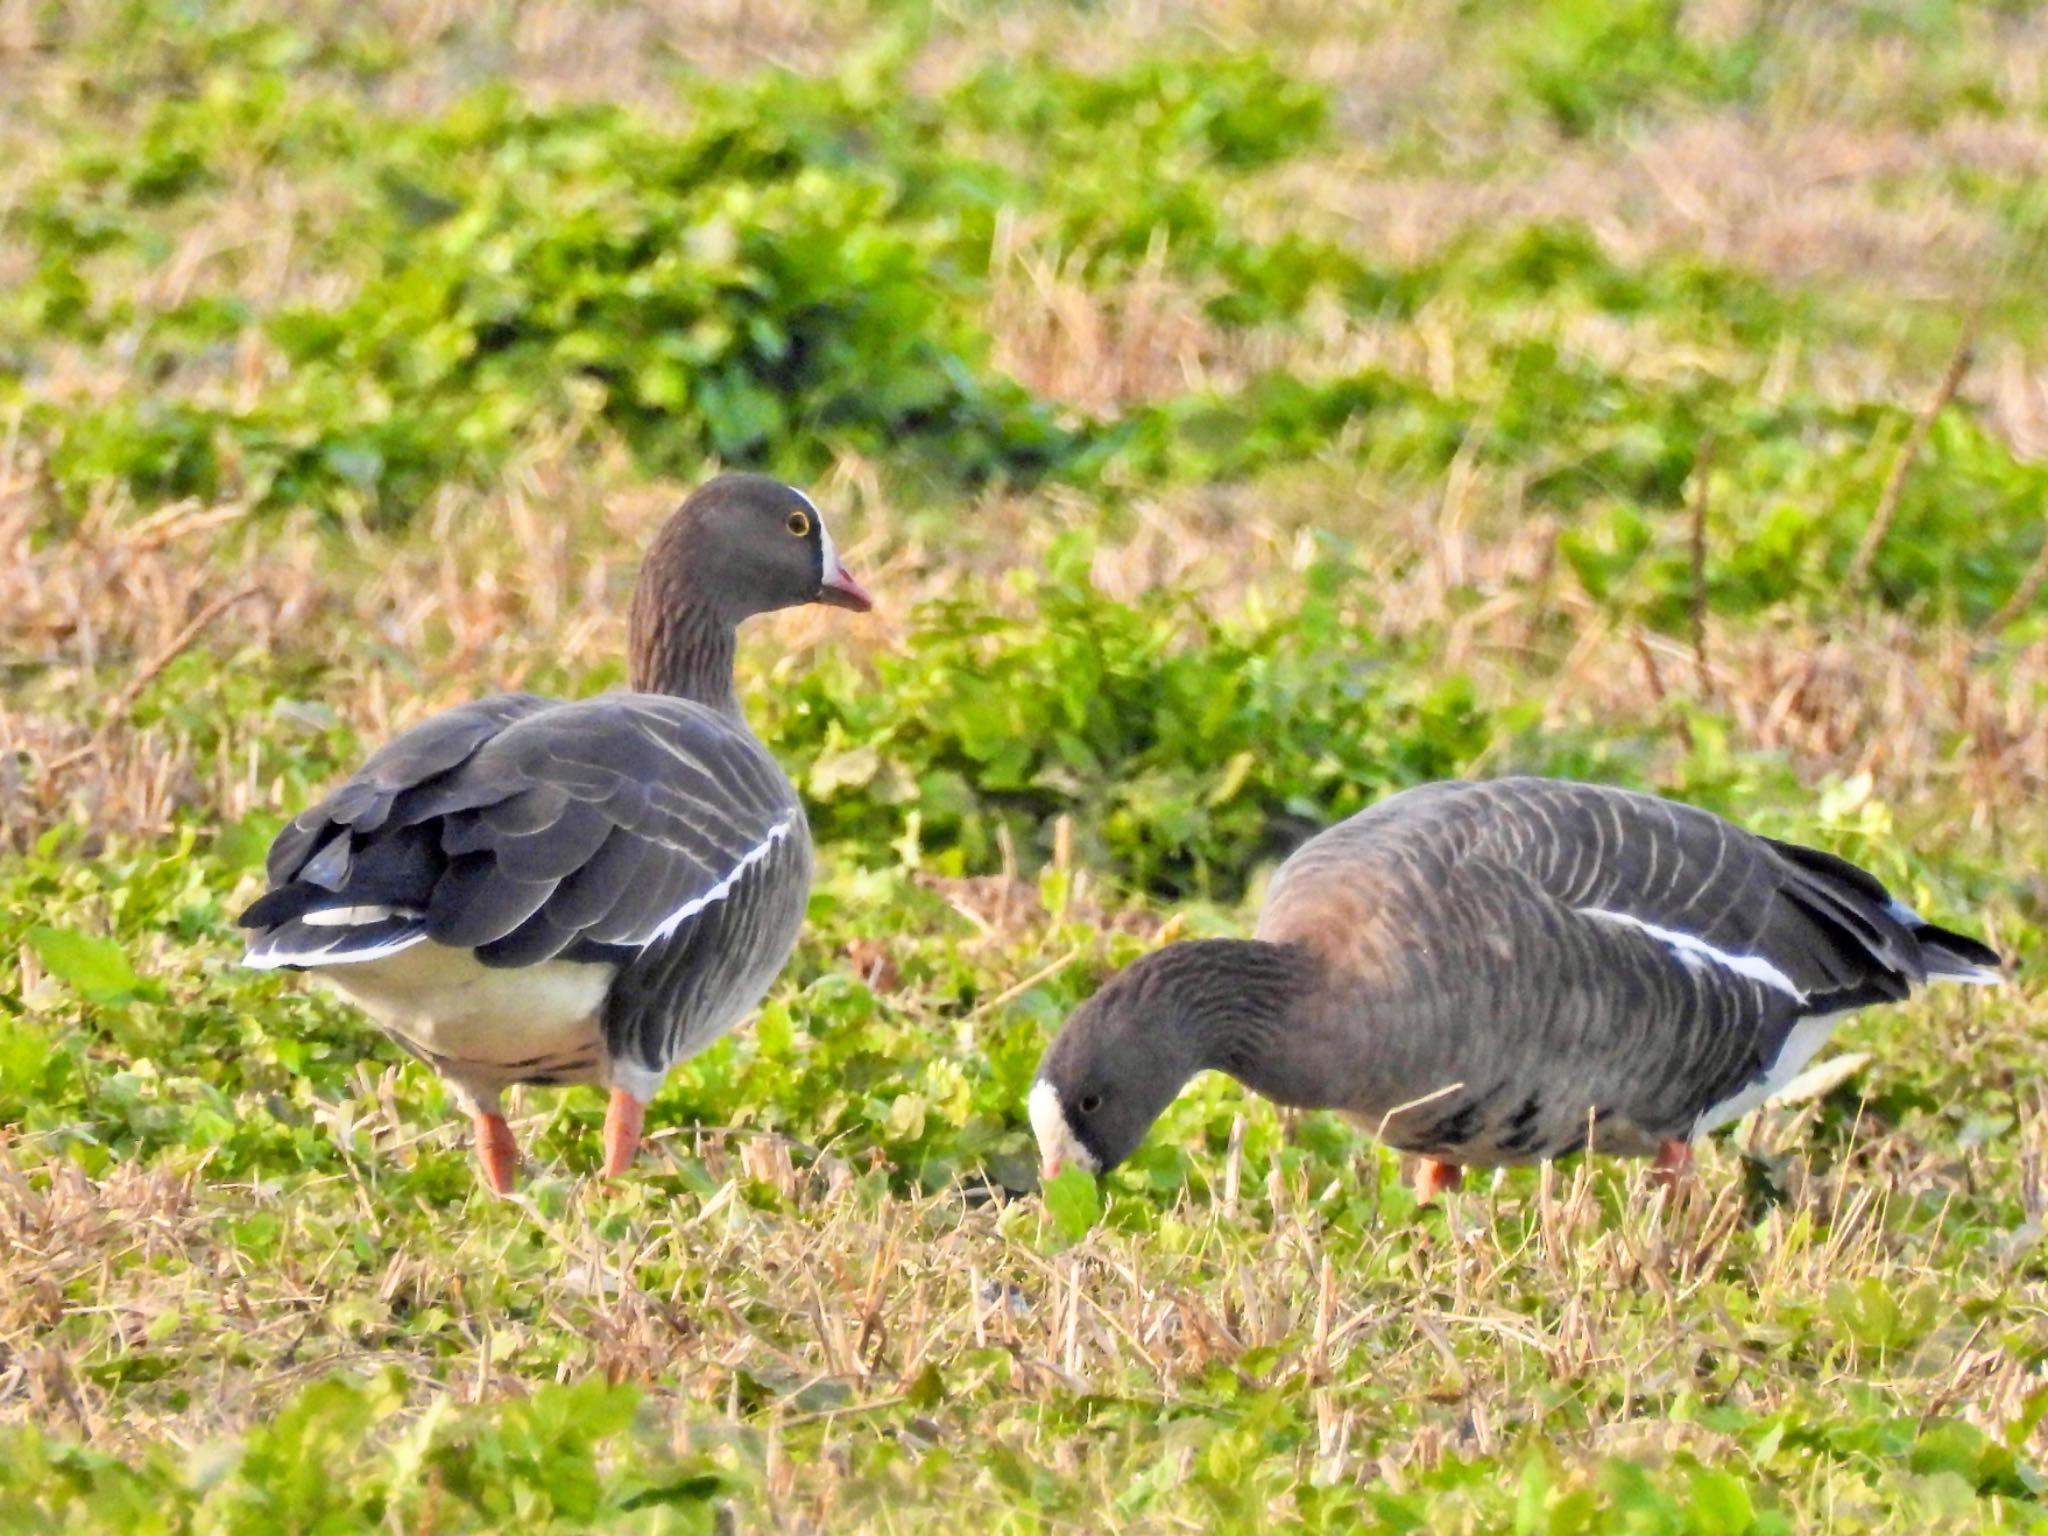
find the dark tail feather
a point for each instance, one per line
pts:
(1831, 868)
(1944, 955)
(1958, 957)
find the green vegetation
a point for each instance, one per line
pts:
(1239, 421)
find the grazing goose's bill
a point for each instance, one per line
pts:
(527, 891)
(1504, 972)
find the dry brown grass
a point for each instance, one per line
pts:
(800, 1277)
(534, 576)
(1099, 348)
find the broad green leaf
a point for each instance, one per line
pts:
(1073, 1201)
(91, 966)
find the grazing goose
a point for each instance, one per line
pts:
(1501, 972)
(521, 890)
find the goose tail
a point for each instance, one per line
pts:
(1952, 956)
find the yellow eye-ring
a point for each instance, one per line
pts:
(798, 524)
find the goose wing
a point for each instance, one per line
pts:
(1744, 948)
(1804, 923)
(526, 831)
(1587, 950)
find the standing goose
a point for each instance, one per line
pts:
(1495, 973)
(521, 890)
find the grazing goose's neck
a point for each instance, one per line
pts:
(1229, 996)
(680, 639)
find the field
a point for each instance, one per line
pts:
(1240, 412)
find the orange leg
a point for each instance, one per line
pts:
(622, 1122)
(495, 1151)
(1673, 1164)
(1433, 1178)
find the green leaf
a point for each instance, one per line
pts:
(1720, 1504)
(1073, 1202)
(2023, 1424)
(93, 967)
(928, 1391)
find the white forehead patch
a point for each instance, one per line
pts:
(1055, 1136)
(829, 566)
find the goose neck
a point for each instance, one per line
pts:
(680, 644)
(1237, 999)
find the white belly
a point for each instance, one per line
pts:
(479, 1022)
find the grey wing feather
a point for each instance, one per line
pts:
(527, 830)
(1829, 928)
(412, 758)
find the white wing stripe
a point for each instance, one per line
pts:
(1691, 951)
(724, 888)
(354, 917)
(278, 959)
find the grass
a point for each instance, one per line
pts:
(1239, 417)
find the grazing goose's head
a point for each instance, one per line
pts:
(739, 546)
(1128, 1051)
(1113, 1070)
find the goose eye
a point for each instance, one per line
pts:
(1090, 1102)
(798, 524)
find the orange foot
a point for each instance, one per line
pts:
(496, 1152)
(622, 1122)
(1433, 1178)
(1673, 1165)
